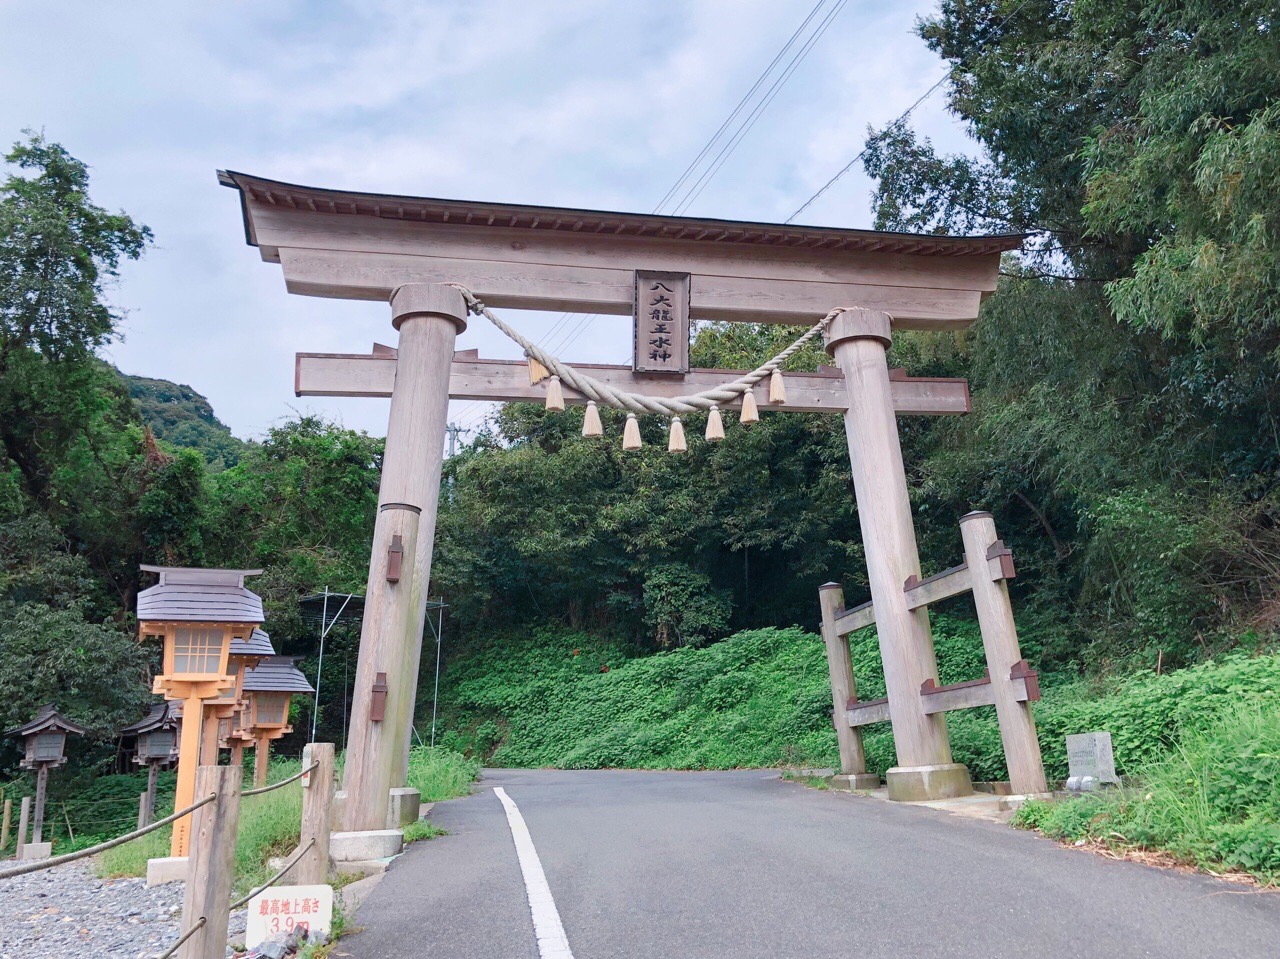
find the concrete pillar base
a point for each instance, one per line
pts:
(403, 806)
(854, 782)
(365, 845)
(166, 869)
(925, 783)
(37, 850)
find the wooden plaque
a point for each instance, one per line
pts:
(661, 313)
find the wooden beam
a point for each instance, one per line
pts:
(951, 582)
(507, 381)
(1024, 685)
(280, 228)
(593, 289)
(871, 711)
(852, 620)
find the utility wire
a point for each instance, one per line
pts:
(902, 116)
(728, 148)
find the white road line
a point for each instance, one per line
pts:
(552, 942)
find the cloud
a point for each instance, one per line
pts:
(570, 102)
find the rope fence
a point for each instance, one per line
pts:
(293, 861)
(284, 782)
(37, 864)
(199, 924)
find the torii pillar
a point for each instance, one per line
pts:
(429, 317)
(858, 341)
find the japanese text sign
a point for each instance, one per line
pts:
(661, 309)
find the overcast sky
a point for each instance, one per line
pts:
(561, 102)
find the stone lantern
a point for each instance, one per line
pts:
(156, 738)
(44, 742)
(197, 614)
(270, 687)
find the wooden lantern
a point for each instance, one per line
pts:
(270, 688)
(198, 614)
(44, 744)
(220, 728)
(155, 745)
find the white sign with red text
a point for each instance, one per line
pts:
(283, 909)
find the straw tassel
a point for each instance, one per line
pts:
(555, 394)
(631, 433)
(750, 412)
(777, 389)
(537, 372)
(676, 444)
(715, 426)
(591, 421)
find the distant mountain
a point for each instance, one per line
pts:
(180, 416)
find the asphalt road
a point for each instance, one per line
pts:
(745, 865)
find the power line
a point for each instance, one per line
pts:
(750, 122)
(905, 113)
(728, 148)
(736, 110)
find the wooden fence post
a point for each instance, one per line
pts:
(211, 862)
(142, 809)
(4, 828)
(853, 759)
(317, 800)
(150, 795)
(1000, 641)
(24, 817)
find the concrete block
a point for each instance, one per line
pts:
(166, 869)
(37, 850)
(338, 811)
(365, 845)
(855, 782)
(928, 783)
(362, 868)
(402, 807)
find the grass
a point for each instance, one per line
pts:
(269, 824)
(439, 773)
(422, 829)
(1214, 803)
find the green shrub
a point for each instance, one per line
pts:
(1213, 801)
(269, 826)
(439, 773)
(761, 698)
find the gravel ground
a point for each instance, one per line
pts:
(69, 912)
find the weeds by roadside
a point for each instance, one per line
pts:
(1213, 804)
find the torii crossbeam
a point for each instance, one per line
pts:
(407, 249)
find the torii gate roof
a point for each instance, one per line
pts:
(353, 245)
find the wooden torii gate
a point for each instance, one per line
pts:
(367, 246)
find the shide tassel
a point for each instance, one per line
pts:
(537, 372)
(631, 434)
(715, 426)
(777, 389)
(676, 444)
(750, 412)
(555, 394)
(591, 421)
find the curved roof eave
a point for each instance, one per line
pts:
(567, 219)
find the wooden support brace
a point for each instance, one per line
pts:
(870, 711)
(851, 620)
(1023, 680)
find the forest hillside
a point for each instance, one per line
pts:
(1125, 429)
